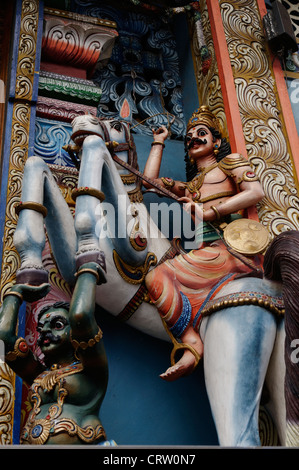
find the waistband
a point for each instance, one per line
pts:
(205, 232)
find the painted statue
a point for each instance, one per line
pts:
(224, 184)
(68, 386)
(240, 323)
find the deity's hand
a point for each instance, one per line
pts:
(160, 134)
(31, 293)
(192, 208)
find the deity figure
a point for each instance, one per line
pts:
(220, 186)
(68, 384)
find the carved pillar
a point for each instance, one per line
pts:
(73, 45)
(20, 110)
(256, 105)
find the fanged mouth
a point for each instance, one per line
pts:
(79, 136)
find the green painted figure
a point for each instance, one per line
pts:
(66, 391)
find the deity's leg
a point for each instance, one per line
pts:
(99, 178)
(40, 188)
(238, 343)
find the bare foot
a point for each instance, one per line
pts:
(183, 367)
(193, 350)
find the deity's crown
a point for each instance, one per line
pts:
(203, 115)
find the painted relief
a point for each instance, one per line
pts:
(78, 235)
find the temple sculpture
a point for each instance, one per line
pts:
(121, 126)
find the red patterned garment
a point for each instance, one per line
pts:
(181, 287)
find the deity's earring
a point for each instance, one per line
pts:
(191, 161)
(216, 149)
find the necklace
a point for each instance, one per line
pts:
(196, 183)
(48, 379)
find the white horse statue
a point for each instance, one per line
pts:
(243, 344)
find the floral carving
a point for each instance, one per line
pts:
(260, 111)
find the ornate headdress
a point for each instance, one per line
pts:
(203, 115)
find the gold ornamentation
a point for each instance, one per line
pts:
(248, 176)
(6, 403)
(86, 191)
(157, 143)
(20, 125)
(20, 350)
(216, 211)
(203, 115)
(168, 182)
(208, 84)
(274, 304)
(16, 294)
(261, 114)
(38, 431)
(246, 236)
(135, 195)
(137, 238)
(231, 162)
(87, 344)
(267, 429)
(88, 270)
(42, 429)
(128, 179)
(134, 274)
(196, 183)
(49, 379)
(34, 206)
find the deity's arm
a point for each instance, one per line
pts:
(249, 193)
(17, 353)
(86, 335)
(153, 164)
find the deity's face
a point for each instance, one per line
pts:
(200, 142)
(54, 332)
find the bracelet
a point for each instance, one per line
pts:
(34, 206)
(88, 270)
(157, 143)
(168, 182)
(87, 344)
(218, 216)
(16, 294)
(86, 191)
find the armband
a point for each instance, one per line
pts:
(247, 176)
(157, 143)
(168, 182)
(20, 350)
(87, 344)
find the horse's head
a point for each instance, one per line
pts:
(86, 125)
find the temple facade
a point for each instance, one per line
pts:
(149, 63)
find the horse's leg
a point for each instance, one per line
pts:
(40, 188)
(98, 172)
(275, 381)
(238, 343)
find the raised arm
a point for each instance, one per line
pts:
(17, 353)
(153, 164)
(85, 333)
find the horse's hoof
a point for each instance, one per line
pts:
(95, 257)
(32, 276)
